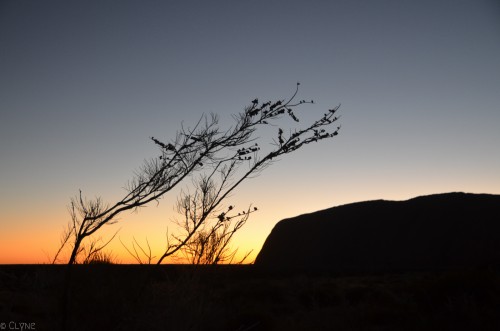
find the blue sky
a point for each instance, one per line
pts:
(83, 85)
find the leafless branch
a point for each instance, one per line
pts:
(218, 156)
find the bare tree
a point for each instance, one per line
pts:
(226, 172)
(211, 243)
(218, 155)
(154, 179)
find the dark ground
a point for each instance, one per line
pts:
(126, 297)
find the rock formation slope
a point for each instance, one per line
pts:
(442, 231)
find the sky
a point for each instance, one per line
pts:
(85, 84)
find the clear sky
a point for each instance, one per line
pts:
(84, 84)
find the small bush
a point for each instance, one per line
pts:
(100, 257)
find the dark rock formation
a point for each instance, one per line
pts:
(435, 232)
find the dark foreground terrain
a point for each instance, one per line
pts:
(121, 297)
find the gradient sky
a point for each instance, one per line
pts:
(83, 85)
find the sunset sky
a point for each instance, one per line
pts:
(83, 85)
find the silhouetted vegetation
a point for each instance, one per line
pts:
(211, 245)
(217, 160)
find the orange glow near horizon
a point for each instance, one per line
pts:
(23, 242)
(37, 249)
